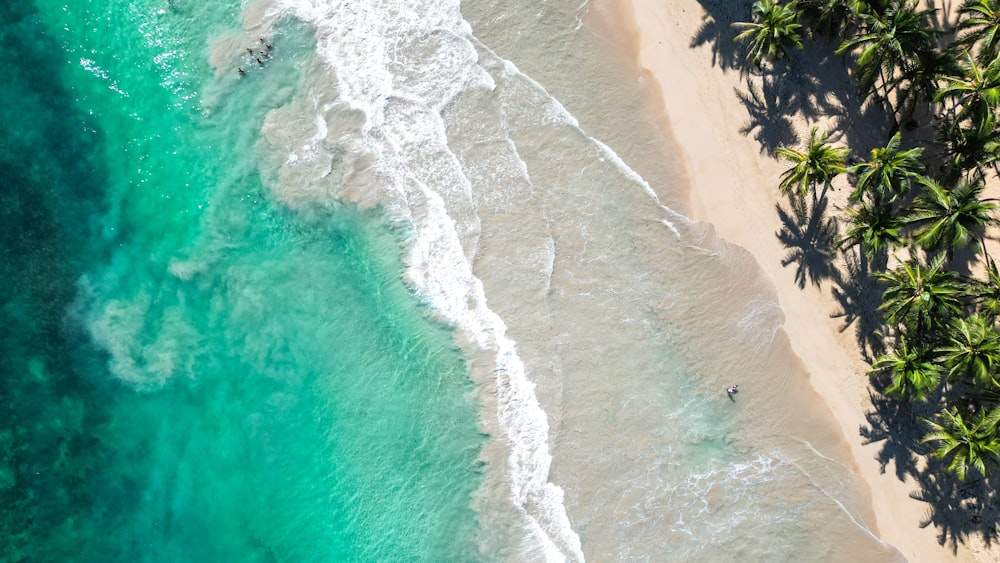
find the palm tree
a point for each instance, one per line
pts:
(981, 28)
(829, 17)
(987, 293)
(920, 83)
(890, 172)
(892, 39)
(968, 150)
(971, 444)
(921, 297)
(954, 217)
(873, 7)
(775, 28)
(874, 227)
(976, 93)
(820, 163)
(973, 349)
(912, 371)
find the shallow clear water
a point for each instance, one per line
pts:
(384, 295)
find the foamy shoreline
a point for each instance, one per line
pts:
(734, 187)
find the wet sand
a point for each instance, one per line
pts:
(734, 183)
(633, 320)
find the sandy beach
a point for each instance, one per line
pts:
(734, 181)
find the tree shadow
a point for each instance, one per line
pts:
(810, 238)
(717, 31)
(863, 122)
(957, 509)
(726, 52)
(946, 15)
(808, 82)
(896, 425)
(767, 105)
(965, 260)
(859, 296)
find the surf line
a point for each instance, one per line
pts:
(358, 43)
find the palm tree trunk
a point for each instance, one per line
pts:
(986, 254)
(911, 107)
(887, 105)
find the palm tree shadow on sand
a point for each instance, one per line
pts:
(716, 30)
(859, 295)
(797, 84)
(768, 105)
(957, 509)
(810, 237)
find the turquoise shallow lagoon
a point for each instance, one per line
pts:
(191, 371)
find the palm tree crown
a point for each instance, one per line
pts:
(987, 293)
(976, 93)
(973, 349)
(818, 164)
(889, 173)
(955, 217)
(874, 227)
(981, 26)
(912, 370)
(969, 444)
(968, 148)
(893, 37)
(774, 29)
(921, 297)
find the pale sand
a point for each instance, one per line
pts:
(734, 187)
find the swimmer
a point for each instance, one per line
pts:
(260, 62)
(241, 71)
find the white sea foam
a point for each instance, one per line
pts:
(400, 65)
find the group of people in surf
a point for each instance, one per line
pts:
(260, 57)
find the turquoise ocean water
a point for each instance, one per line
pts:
(192, 372)
(384, 295)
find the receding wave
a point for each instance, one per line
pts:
(386, 74)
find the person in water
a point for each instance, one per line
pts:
(732, 389)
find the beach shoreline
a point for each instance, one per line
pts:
(738, 194)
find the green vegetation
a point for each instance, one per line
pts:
(889, 174)
(774, 30)
(923, 191)
(966, 442)
(820, 163)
